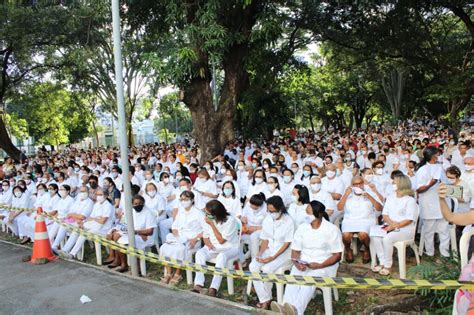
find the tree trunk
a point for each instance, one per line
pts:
(96, 133)
(6, 143)
(311, 121)
(130, 133)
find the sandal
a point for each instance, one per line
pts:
(175, 280)
(212, 292)
(289, 309)
(350, 257)
(198, 289)
(277, 308)
(377, 268)
(384, 272)
(165, 279)
(264, 305)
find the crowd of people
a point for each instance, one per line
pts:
(300, 201)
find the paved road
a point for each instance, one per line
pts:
(56, 288)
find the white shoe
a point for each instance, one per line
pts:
(65, 254)
(377, 268)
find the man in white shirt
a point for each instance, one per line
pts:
(459, 155)
(468, 174)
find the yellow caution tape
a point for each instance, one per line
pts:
(332, 282)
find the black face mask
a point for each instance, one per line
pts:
(138, 208)
(93, 185)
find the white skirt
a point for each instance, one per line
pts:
(356, 226)
(139, 242)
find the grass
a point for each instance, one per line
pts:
(350, 300)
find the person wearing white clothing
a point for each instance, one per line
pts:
(316, 251)
(331, 183)
(154, 202)
(453, 176)
(399, 214)
(144, 221)
(5, 198)
(99, 222)
(26, 224)
(205, 189)
(316, 193)
(359, 215)
(460, 154)
(79, 212)
(258, 185)
(221, 239)
(253, 215)
(428, 176)
(186, 234)
(19, 200)
(230, 200)
(297, 209)
(287, 186)
(468, 174)
(277, 235)
(273, 185)
(63, 207)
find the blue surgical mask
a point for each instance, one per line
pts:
(228, 191)
(306, 173)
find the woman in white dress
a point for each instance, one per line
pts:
(274, 187)
(428, 176)
(221, 239)
(258, 185)
(186, 235)
(26, 224)
(276, 237)
(360, 212)
(5, 199)
(297, 210)
(19, 200)
(63, 206)
(399, 215)
(315, 251)
(205, 189)
(230, 200)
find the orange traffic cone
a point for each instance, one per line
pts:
(42, 246)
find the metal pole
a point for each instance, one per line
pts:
(122, 131)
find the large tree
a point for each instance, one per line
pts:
(199, 40)
(32, 34)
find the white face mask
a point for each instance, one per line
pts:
(18, 194)
(186, 203)
(357, 190)
(469, 168)
(148, 177)
(271, 187)
(83, 195)
(275, 215)
(379, 171)
(369, 177)
(166, 180)
(258, 180)
(40, 192)
(315, 187)
(100, 199)
(452, 181)
(152, 193)
(330, 174)
(183, 188)
(63, 193)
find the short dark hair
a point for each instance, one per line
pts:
(277, 203)
(257, 199)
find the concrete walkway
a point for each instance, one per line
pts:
(56, 288)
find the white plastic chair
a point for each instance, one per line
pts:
(230, 263)
(146, 249)
(286, 267)
(401, 247)
(98, 253)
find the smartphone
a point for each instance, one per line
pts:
(454, 191)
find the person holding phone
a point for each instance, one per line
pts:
(428, 176)
(316, 251)
(453, 175)
(399, 214)
(276, 237)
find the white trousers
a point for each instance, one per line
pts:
(430, 227)
(264, 289)
(300, 295)
(53, 230)
(222, 258)
(178, 251)
(384, 245)
(59, 237)
(253, 240)
(26, 226)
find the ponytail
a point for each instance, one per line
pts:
(319, 210)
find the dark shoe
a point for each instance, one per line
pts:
(212, 292)
(25, 241)
(122, 269)
(112, 266)
(198, 289)
(107, 262)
